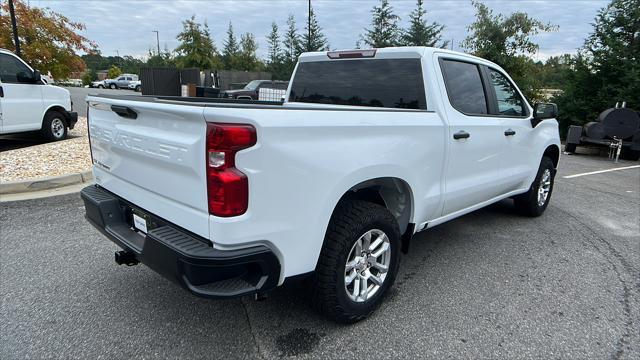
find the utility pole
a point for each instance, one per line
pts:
(309, 28)
(14, 25)
(157, 40)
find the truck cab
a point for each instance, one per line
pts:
(28, 104)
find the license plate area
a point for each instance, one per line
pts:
(140, 221)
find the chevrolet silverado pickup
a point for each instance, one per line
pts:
(230, 198)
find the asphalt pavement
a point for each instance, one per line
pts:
(78, 96)
(491, 284)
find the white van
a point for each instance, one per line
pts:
(29, 104)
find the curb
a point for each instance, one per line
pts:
(23, 186)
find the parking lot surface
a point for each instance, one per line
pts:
(488, 285)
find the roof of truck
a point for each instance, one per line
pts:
(406, 52)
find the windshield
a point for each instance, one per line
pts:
(252, 85)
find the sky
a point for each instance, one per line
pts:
(126, 27)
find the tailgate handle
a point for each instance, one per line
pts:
(124, 111)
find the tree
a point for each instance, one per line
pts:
(113, 72)
(248, 60)
(231, 51)
(506, 40)
(420, 33)
(313, 39)
(607, 68)
(291, 44)
(276, 57)
(48, 40)
(89, 77)
(164, 59)
(196, 48)
(384, 30)
(275, 51)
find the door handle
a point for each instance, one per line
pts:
(509, 132)
(461, 135)
(124, 111)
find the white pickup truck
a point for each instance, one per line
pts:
(232, 198)
(29, 104)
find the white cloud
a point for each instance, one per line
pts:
(126, 26)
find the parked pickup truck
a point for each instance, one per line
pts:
(230, 197)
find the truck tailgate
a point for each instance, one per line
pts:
(153, 155)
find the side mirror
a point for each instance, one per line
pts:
(37, 77)
(543, 111)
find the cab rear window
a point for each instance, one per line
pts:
(387, 83)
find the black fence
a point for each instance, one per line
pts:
(168, 81)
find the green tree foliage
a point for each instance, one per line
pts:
(89, 76)
(313, 39)
(291, 43)
(506, 40)
(231, 51)
(196, 48)
(420, 33)
(276, 57)
(164, 59)
(48, 40)
(384, 30)
(607, 68)
(552, 74)
(113, 72)
(248, 60)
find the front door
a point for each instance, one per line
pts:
(518, 160)
(22, 105)
(475, 139)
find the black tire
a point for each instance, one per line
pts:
(527, 204)
(100, 86)
(138, 88)
(628, 154)
(350, 221)
(113, 86)
(570, 148)
(54, 126)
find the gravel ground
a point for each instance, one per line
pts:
(48, 159)
(489, 285)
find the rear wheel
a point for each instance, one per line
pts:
(54, 126)
(535, 201)
(113, 86)
(138, 88)
(358, 262)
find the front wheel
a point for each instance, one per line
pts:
(358, 262)
(113, 86)
(535, 201)
(54, 126)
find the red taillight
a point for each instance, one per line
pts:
(227, 187)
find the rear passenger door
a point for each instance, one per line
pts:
(509, 106)
(475, 140)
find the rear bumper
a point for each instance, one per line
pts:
(180, 256)
(72, 118)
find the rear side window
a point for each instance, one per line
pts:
(464, 87)
(388, 83)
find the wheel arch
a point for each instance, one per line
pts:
(57, 108)
(393, 193)
(553, 152)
